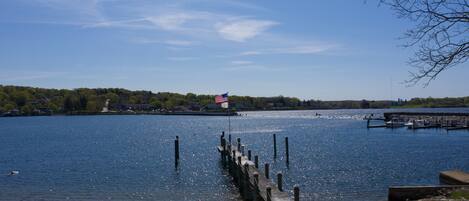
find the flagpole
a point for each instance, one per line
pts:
(229, 119)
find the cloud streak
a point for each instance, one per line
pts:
(182, 58)
(242, 30)
(309, 49)
(183, 43)
(252, 67)
(239, 62)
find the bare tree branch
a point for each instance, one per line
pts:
(441, 34)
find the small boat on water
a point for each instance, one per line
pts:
(394, 123)
(417, 124)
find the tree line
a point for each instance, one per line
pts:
(31, 101)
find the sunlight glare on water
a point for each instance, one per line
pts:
(332, 155)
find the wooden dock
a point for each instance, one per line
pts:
(252, 185)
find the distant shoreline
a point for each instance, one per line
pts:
(204, 113)
(30, 101)
(187, 113)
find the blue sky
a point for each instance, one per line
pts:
(329, 49)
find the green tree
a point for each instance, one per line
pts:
(156, 103)
(91, 106)
(9, 106)
(27, 109)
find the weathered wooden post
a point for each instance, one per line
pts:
(222, 136)
(256, 161)
(249, 154)
(228, 151)
(239, 172)
(176, 151)
(268, 191)
(256, 186)
(275, 145)
(266, 170)
(286, 150)
(223, 152)
(242, 150)
(233, 165)
(239, 144)
(279, 181)
(246, 180)
(229, 138)
(296, 193)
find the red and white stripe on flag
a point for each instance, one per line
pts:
(221, 98)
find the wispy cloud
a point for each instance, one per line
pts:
(242, 30)
(247, 53)
(179, 21)
(179, 26)
(310, 49)
(239, 62)
(182, 58)
(180, 42)
(250, 68)
(166, 42)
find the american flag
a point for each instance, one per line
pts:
(221, 98)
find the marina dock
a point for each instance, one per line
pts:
(422, 120)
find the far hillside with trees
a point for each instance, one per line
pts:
(17, 100)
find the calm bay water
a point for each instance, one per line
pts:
(332, 157)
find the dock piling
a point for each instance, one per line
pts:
(247, 181)
(256, 186)
(269, 193)
(286, 150)
(249, 154)
(176, 151)
(256, 161)
(223, 153)
(221, 137)
(279, 181)
(229, 138)
(266, 170)
(239, 144)
(296, 193)
(239, 173)
(242, 150)
(275, 145)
